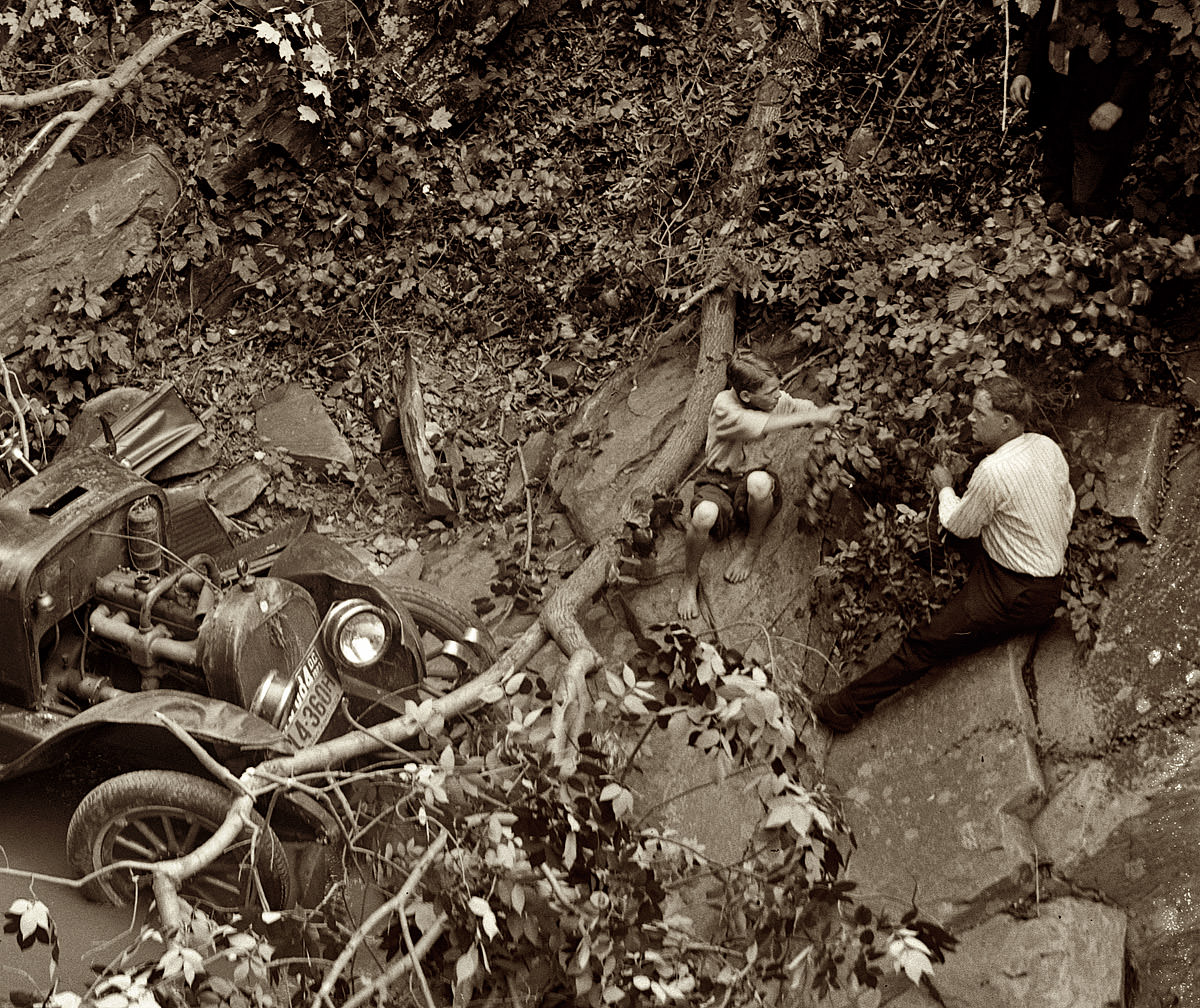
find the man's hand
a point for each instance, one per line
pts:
(1105, 117)
(1020, 90)
(940, 477)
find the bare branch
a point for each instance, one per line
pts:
(20, 102)
(47, 128)
(218, 770)
(399, 966)
(102, 91)
(395, 904)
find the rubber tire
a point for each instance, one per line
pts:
(105, 812)
(444, 619)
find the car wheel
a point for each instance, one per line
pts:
(156, 815)
(456, 644)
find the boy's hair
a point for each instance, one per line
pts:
(1009, 396)
(748, 372)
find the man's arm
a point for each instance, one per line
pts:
(964, 516)
(1032, 51)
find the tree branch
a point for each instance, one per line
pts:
(394, 905)
(102, 91)
(20, 102)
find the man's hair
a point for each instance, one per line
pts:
(748, 372)
(1009, 396)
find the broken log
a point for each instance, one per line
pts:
(438, 499)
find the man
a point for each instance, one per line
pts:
(1086, 79)
(1019, 502)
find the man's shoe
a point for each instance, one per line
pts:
(827, 714)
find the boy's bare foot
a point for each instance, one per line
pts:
(743, 562)
(689, 604)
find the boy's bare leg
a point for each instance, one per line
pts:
(695, 543)
(759, 509)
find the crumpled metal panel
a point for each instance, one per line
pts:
(154, 430)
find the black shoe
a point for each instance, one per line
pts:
(832, 718)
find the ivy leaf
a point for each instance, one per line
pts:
(35, 917)
(268, 33)
(960, 296)
(479, 907)
(319, 59)
(307, 114)
(1176, 16)
(318, 89)
(465, 968)
(440, 119)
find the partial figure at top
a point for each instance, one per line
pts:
(1085, 77)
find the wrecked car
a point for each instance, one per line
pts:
(114, 643)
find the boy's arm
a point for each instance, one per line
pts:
(812, 416)
(736, 423)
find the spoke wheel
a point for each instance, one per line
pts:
(157, 815)
(457, 645)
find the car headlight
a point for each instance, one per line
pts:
(357, 634)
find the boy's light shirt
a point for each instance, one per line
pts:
(740, 447)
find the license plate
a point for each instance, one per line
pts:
(318, 694)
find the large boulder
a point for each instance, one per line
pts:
(1122, 751)
(80, 224)
(1068, 955)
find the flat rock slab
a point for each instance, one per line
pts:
(80, 222)
(294, 419)
(1125, 812)
(682, 789)
(1144, 666)
(940, 783)
(766, 615)
(1071, 955)
(234, 491)
(616, 433)
(463, 569)
(1133, 839)
(1131, 445)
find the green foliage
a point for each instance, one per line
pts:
(896, 568)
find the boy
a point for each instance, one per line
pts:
(737, 488)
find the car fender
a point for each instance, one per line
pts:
(205, 718)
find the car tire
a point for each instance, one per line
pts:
(448, 631)
(154, 815)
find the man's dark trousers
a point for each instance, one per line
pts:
(993, 605)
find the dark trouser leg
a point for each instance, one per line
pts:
(1058, 150)
(1101, 164)
(994, 604)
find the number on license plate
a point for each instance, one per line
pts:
(317, 696)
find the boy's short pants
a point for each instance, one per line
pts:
(729, 492)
